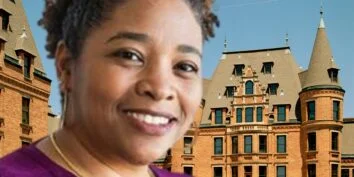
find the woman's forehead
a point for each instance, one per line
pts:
(157, 20)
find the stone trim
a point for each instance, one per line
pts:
(12, 61)
(26, 129)
(31, 89)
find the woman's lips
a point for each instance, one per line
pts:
(149, 122)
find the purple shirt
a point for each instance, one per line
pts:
(31, 162)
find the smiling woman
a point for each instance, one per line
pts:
(130, 75)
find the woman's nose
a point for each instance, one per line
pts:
(156, 83)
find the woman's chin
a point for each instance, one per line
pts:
(145, 157)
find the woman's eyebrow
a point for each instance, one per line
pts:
(140, 37)
(183, 48)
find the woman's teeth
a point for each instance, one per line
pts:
(149, 119)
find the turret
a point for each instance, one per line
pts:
(322, 116)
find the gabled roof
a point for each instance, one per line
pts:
(285, 73)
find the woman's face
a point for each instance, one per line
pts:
(137, 83)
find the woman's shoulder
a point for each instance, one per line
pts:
(164, 173)
(29, 162)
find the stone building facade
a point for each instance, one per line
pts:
(24, 86)
(262, 115)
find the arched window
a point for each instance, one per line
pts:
(249, 87)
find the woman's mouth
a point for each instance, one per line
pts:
(149, 119)
(149, 122)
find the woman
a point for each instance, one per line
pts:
(130, 75)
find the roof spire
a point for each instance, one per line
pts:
(287, 39)
(225, 49)
(225, 44)
(322, 24)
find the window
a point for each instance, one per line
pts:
(336, 110)
(259, 114)
(267, 68)
(345, 172)
(188, 145)
(272, 89)
(238, 70)
(311, 170)
(218, 116)
(311, 137)
(234, 171)
(25, 110)
(239, 115)
(334, 170)
(25, 143)
(249, 88)
(262, 143)
(334, 141)
(281, 171)
(27, 66)
(333, 74)
(218, 146)
(234, 144)
(281, 113)
(249, 114)
(5, 19)
(311, 110)
(281, 144)
(188, 170)
(248, 171)
(262, 171)
(248, 144)
(217, 171)
(230, 91)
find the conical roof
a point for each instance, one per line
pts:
(321, 61)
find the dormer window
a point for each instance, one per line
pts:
(5, 19)
(230, 91)
(281, 112)
(273, 89)
(267, 67)
(27, 66)
(238, 69)
(333, 74)
(218, 116)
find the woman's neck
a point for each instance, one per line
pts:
(87, 159)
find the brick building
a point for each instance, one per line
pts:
(263, 115)
(24, 86)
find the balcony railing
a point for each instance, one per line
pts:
(250, 128)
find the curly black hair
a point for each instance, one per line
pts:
(72, 20)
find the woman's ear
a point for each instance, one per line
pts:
(63, 60)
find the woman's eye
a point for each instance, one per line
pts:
(128, 55)
(186, 67)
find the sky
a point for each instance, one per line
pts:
(254, 24)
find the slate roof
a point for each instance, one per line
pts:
(19, 35)
(321, 60)
(284, 72)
